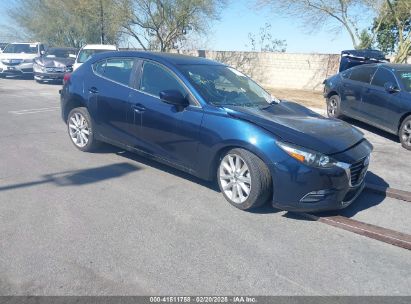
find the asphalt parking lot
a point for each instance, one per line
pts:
(113, 223)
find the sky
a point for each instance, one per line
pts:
(240, 18)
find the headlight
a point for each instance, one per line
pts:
(308, 157)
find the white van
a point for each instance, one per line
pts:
(89, 50)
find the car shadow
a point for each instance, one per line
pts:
(51, 83)
(369, 128)
(79, 177)
(106, 148)
(21, 77)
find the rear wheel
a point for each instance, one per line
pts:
(81, 130)
(244, 179)
(405, 133)
(333, 107)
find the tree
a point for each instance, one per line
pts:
(335, 13)
(166, 24)
(69, 23)
(265, 42)
(394, 33)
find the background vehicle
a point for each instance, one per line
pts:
(212, 121)
(377, 94)
(89, 50)
(351, 58)
(17, 58)
(2, 46)
(54, 64)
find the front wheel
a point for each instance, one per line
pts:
(81, 130)
(334, 107)
(244, 179)
(405, 133)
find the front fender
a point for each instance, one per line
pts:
(220, 133)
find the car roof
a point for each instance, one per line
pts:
(174, 59)
(62, 48)
(396, 66)
(99, 47)
(25, 43)
(391, 66)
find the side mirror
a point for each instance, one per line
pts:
(391, 88)
(174, 97)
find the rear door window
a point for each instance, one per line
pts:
(362, 74)
(382, 76)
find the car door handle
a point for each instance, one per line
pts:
(93, 90)
(138, 108)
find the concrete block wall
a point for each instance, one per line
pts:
(279, 70)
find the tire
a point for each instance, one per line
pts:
(256, 178)
(334, 107)
(79, 123)
(405, 133)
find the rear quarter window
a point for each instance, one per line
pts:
(115, 69)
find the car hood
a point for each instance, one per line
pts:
(54, 61)
(17, 56)
(296, 124)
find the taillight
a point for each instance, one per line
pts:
(66, 77)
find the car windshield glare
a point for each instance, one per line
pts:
(60, 53)
(21, 48)
(221, 85)
(405, 77)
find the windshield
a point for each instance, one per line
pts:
(21, 48)
(61, 53)
(222, 85)
(405, 77)
(84, 55)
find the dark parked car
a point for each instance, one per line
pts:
(214, 122)
(52, 65)
(352, 58)
(377, 94)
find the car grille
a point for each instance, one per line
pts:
(358, 171)
(11, 63)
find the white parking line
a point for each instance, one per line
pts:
(34, 111)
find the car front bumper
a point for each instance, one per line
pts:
(44, 76)
(297, 187)
(19, 69)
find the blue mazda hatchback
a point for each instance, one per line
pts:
(212, 121)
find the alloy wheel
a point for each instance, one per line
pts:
(79, 130)
(235, 178)
(406, 133)
(332, 107)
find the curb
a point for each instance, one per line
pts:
(389, 192)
